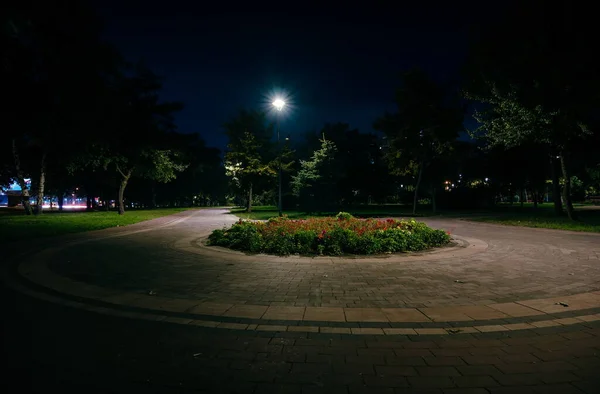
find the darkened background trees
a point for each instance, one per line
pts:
(80, 119)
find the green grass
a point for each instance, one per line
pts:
(268, 211)
(513, 215)
(16, 226)
(588, 220)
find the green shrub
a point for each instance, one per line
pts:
(329, 236)
(344, 216)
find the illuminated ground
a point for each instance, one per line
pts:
(149, 308)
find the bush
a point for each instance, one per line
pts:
(344, 216)
(329, 236)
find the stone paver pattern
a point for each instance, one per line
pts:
(517, 264)
(520, 274)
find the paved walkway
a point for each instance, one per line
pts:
(503, 310)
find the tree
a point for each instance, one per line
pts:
(538, 82)
(202, 183)
(53, 65)
(425, 126)
(249, 157)
(136, 141)
(314, 182)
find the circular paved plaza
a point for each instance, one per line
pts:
(530, 298)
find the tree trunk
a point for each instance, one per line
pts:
(88, 203)
(521, 198)
(41, 186)
(122, 186)
(249, 205)
(567, 188)
(433, 204)
(21, 179)
(61, 200)
(153, 191)
(416, 196)
(558, 209)
(535, 199)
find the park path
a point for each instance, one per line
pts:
(149, 308)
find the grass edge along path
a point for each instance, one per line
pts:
(585, 224)
(589, 219)
(14, 227)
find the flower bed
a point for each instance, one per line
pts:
(335, 236)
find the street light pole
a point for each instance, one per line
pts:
(279, 104)
(279, 169)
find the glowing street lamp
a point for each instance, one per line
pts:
(278, 103)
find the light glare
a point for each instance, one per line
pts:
(279, 104)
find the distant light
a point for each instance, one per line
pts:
(460, 175)
(401, 185)
(487, 179)
(278, 104)
(453, 185)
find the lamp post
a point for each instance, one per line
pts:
(279, 104)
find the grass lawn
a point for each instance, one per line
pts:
(589, 219)
(16, 225)
(542, 217)
(268, 211)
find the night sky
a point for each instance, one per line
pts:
(335, 64)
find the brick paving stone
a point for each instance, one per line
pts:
(275, 388)
(324, 314)
(314, 368)
(365, 359)
(248, 311)
(468, 390)
(405, 361)
(427, 382)
(475, 381)
(412, 390)
(363, 389)
(443, 360)
(519, 358)
(416, 354)
(437, 371)
(375, 352)
(558, 377)
(558, 389)
(468, 370)
(445, 352)
(284, 313)
(481, 360)
(590, 386)
(417, 344)
(518, 379)
(385, 381)
(419, 352)
(353, 369)
(513, 390)
(404, 315)
(487, 351)
(365, 315)
(325, 358)
(396, 370)
(321, 389)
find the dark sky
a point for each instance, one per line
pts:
(338, 64)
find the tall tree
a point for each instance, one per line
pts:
(538, 82)
(53, 67)
(249, 156)
(135, 142)
(427, 122)
(314, 182)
